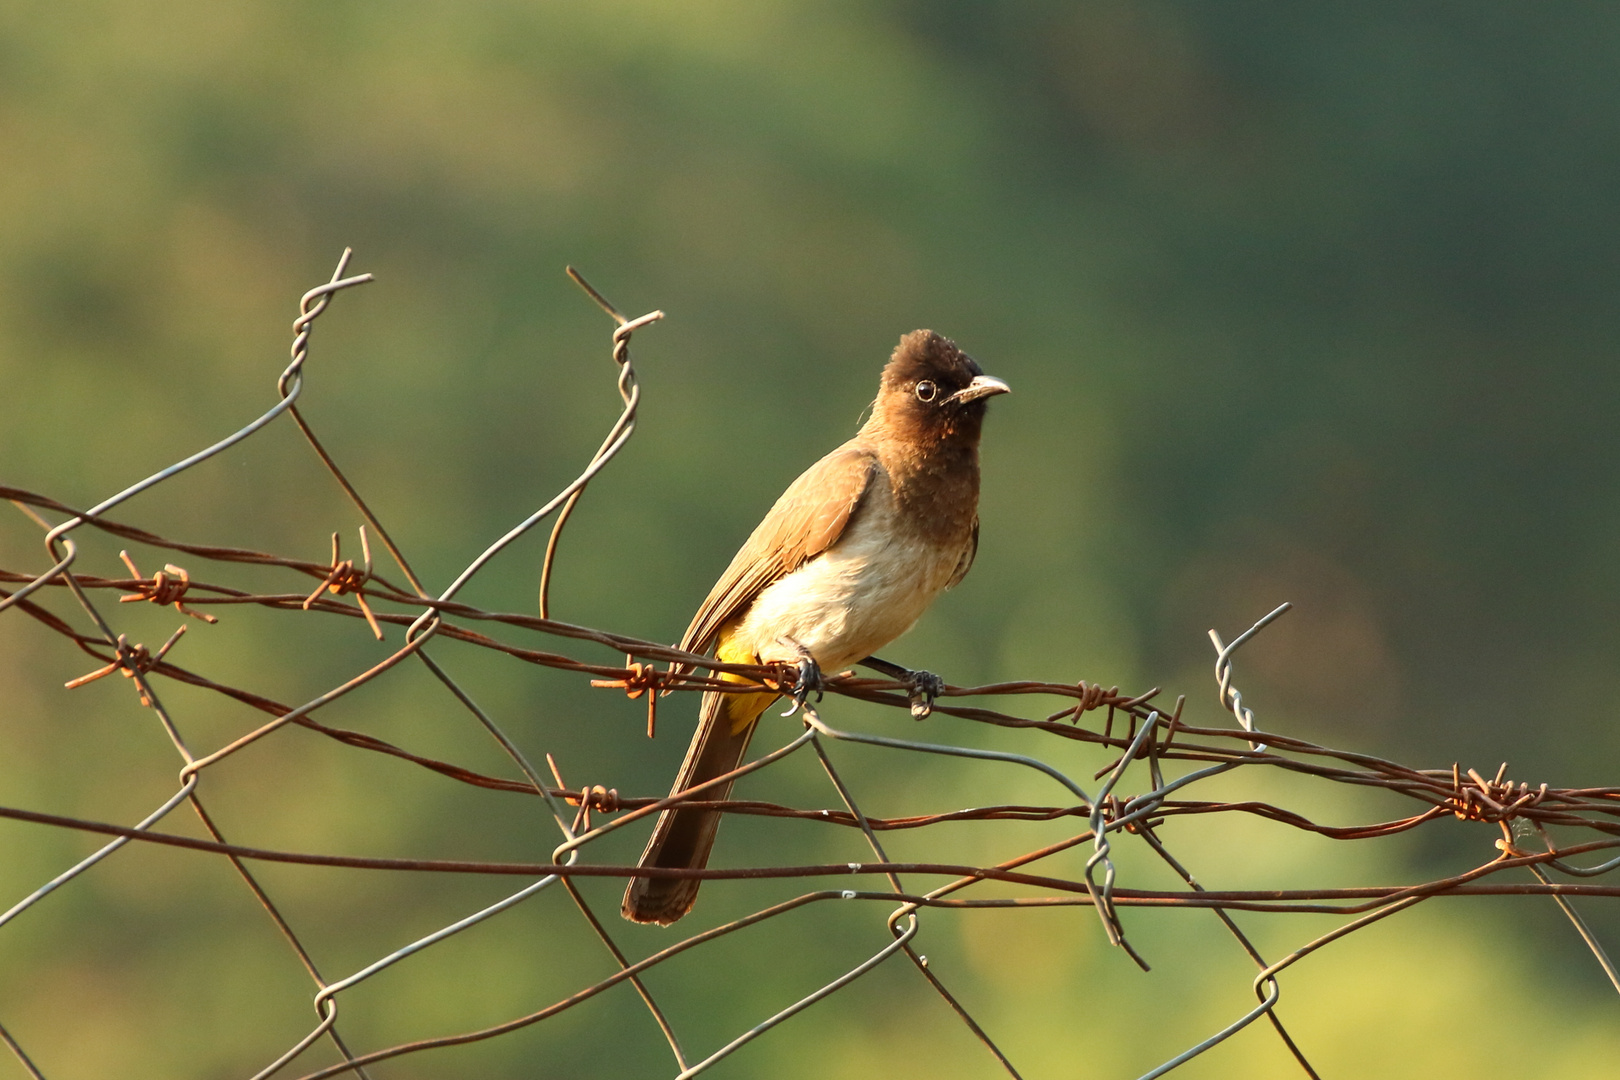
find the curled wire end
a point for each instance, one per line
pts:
(627, 328)
(590, 290)
(310, 306)
(1230, 698)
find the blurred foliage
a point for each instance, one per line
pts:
(1307, 303)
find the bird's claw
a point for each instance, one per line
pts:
(809, 682)
(925, 687)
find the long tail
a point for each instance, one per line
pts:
(683, 838)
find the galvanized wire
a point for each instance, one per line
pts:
(1154, 739)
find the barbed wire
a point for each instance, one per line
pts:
(1149, 736)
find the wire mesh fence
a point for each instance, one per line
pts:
(1170, 761)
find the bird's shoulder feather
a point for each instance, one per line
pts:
(808, 519)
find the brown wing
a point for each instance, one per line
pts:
(808, 519)
(968, 553)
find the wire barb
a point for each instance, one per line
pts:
(344, 577)
(168, 586)
(1177, 756)
(130, 661)
(640, 679)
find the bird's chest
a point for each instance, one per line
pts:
(855, 598)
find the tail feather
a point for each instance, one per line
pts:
(683, 838)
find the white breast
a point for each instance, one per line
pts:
(853, 599)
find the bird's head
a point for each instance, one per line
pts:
(933, 392)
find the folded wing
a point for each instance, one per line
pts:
(808, 519)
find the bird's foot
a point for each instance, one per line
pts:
(925, 686)
(809, 679)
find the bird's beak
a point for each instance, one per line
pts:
(982, 386)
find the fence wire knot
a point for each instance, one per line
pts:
(640, 679)
(596, 797)
(1092, 695)
(129, 661)
(589, 797)
(168, 586)
(1490, 800)
(1158, 739)
(344, 577)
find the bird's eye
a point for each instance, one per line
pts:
(927, 391)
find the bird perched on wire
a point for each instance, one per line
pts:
(845, 562)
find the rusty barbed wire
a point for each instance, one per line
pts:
(1152, 737)
(168, 586)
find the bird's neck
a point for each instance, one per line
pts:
(936, 486)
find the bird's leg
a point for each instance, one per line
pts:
(809, 680)
(925, 685)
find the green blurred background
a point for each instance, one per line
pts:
(1298, 302)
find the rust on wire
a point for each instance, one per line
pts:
(343, 577)
(640, 679)
(1157, 749)
(168, 586)
(130, 661)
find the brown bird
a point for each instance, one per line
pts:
(845, 562)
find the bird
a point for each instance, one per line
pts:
(849, 557)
